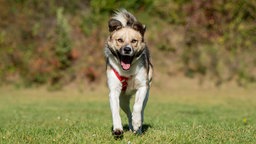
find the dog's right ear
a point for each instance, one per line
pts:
(114, 24)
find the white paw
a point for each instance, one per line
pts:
(136, 122)
(139, 131)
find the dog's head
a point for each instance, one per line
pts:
(126, 40)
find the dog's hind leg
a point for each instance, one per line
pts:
(125, 105)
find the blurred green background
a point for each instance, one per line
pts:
(60, 42)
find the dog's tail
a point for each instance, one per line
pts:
(126, 18)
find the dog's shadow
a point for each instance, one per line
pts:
(145, 128)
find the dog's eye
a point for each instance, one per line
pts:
(134, 41)
(120, 40)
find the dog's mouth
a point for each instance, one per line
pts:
(126, 61)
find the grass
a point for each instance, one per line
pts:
(181, 115)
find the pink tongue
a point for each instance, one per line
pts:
(125, 66)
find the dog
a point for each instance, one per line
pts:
(129, 70)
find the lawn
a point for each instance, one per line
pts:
(177, 115)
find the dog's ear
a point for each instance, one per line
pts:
(139, 27)
(114, 24)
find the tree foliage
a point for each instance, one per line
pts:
(58, 42)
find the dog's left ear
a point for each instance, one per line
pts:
(139, 27)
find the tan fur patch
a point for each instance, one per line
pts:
(126, 36)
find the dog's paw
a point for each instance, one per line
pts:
(118, 134)
(130, 127)
(136, 123)
(138, 132)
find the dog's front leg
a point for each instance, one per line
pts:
(140, 102)
(114, 105)
(114, 94)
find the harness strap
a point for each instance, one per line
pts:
(122, 79)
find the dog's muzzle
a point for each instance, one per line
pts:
(127, 51)
(126, 57)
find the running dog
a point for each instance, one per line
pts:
(129, 70)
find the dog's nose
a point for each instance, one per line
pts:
(127, 50)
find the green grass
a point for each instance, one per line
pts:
(177, 116)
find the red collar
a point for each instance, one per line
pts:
(122, 79)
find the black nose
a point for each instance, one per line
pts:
(127, 50)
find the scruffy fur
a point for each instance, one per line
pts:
(127, 54)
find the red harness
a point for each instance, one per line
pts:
(122, 79)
